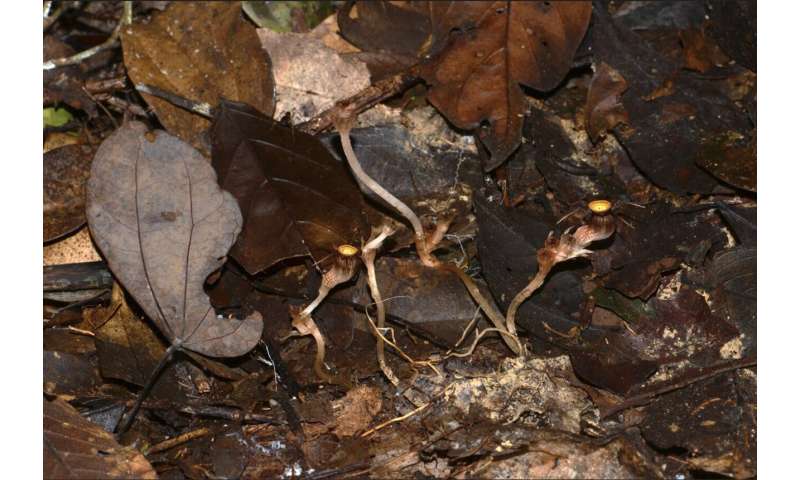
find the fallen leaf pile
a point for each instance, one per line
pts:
(400, 239)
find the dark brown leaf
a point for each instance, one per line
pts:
(714, 419)
(676, 118)
(164, 225)
(202, 51)
(732, 162)
(604, 109)
(404, 30)
(477, 77)
(296, 199)
(65, 172)
(733, 26)
(77, 448)
(129, 349)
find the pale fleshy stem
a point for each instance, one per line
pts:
(368, 254)
(343, 126)
(494, 315)
(420, 240)
(523, 295)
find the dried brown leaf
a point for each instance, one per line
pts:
(604, 108)
(65, 172)
(164, 225)
(77, 448)
(296, 199)
(478, 76)
(476, 55)
(202, 51)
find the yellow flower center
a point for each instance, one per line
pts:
(347, 250)
(599, 206)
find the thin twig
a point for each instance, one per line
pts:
(363, 100)
(201, 108)
(125, 19)
(180, 439)
(395, 420)
(148, 387)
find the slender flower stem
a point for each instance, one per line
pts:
(523, 295)
(368, 254)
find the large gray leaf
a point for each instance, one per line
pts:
(164, 225)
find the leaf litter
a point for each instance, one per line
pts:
(420, 333)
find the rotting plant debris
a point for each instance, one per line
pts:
(524, 246)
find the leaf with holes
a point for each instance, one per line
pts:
(296, 198)
(164, 225)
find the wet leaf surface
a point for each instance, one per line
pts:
(203, 52)
(164, 225)
(76, 448)
(295, 198)
(66, 170)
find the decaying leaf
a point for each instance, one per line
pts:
(604, 109)
(202, 51)
(164, 225)
(309, 75)
(77, 448)
(478, 76)
(677, 119)
(714, 420)
(127, 348)
(476, 55)
(296, 199)
(65, 172)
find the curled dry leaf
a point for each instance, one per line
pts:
(604, 109)
(77, 448)
(164, 225)
(202, 51)
(65, 172)
(296, 198)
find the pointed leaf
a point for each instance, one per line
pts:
(164, 225)
(296, 198)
